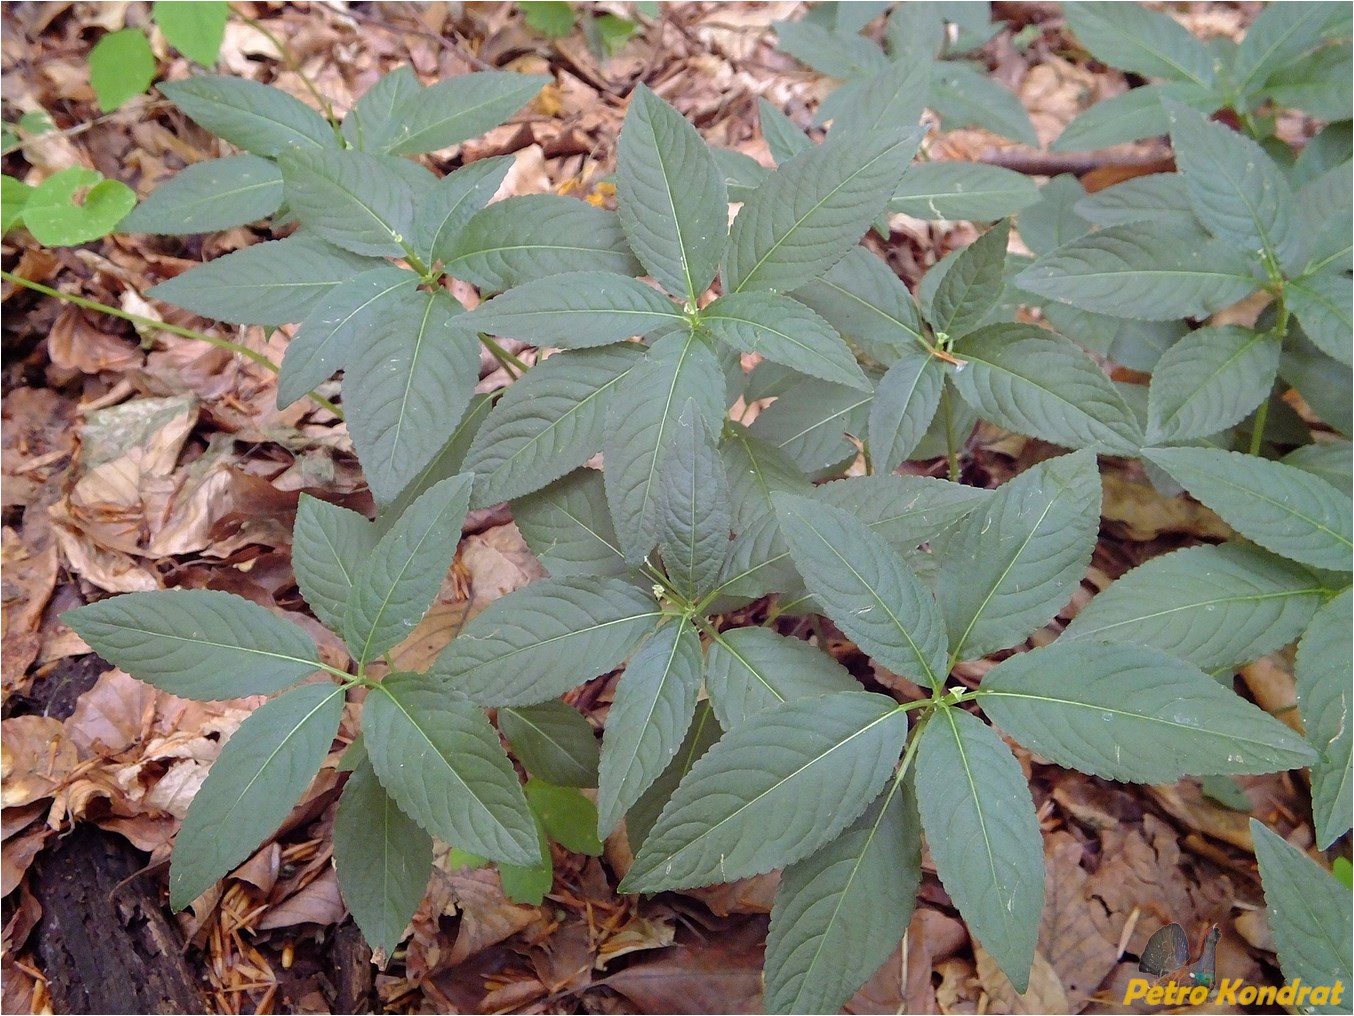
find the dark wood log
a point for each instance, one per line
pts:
(104, 941)
(354, 976)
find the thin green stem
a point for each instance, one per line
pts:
(950, 448)
(144, 322)
(1258, 430)
(163, 326)
(512, 364)
(291, 63)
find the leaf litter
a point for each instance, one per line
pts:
(133, 459)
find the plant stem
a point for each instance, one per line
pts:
(512, 364)
(949, 434)
(1280, 332)
(144, 322)
(291, 63)
(163, 326)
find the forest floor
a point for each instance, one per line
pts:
(136, 461)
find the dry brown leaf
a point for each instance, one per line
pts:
(498, 561)
(1144, 513)
(487, 916)
(318, 902)
(1044, 995)
(1080, 950)
(112, 715)
(719, 972)
(36, 757)
(639, 934)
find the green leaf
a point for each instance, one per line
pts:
(58, 215)
(1130, 116)
(371, 123)
(121, 65)
(1330, 460)
(568, 527)
(836, 54)
(351, 199)
(1295, 514)
(438, 757)
(784, 331)
(1133, 38)
(529, 884)
(262, 770)
(703, 732)
(1323, 671)
(866, 588)
(1210, 380)
(445, 464)
(967, 97)
(983, 835)
(1236, 190)
(772, 792)
(13, 200)
(1143, 271)
(969, 284)
(1214, 606)
(893, 97)
(569, 818)
(755, 471)
(383, 858)
(810, 213)
(197, 643)
(1323, 383)
(553, 741)
(642, 425)
(1133, 714)
(271, 283)
(1142, 199)
(1322, 305)
(962, 190)
(417, 370)
(1314, 84)
(540, 641)
(399, 580)
(1279, 35)
(867, 304)
(695, 513)
(441, 213)
(1011, 566)
(904, 405)
(258, 118)
(1309, 915)
(840, 913)
(673, 203)
(459, 108)
(576, 310)
(742, 173)
(549, 423)
(524, 238)
(904, 510)
(809, 423)
(748, 670)
(784, 137)
(195, 29)
(1032, 381)
(552, 18)
(337, 326)
(209, 196)
(329, 546)
(1056, 218)
(649, 716)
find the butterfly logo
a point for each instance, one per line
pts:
(1168, 959)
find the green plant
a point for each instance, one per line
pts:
(121, 64)
(786, 762)
(925, 62)
(605, 32)
(1294, 56)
